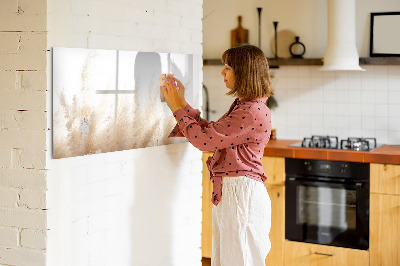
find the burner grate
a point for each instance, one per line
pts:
(358, 144)
(332, 142)
(327, 142)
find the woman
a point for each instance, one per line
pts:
(242, 208)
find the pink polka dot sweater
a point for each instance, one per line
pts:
(238, 139)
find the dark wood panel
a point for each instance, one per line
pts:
(273, 62)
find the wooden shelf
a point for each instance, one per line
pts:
(273, 63)
(295, 62)
(380, 61)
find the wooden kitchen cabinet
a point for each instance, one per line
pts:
(274, 168)
(206, 225)
(306, 254)
(385, 178)
(384, 236)
(277, 233)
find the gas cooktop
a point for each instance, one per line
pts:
(332, 142)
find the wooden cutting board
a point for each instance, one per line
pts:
(239, 35)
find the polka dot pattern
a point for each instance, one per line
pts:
(238, 139)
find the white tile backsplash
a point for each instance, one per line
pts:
(343, 103)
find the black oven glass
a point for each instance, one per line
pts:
(326, 208)
(326, 204)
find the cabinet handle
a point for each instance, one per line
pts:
(325, 254)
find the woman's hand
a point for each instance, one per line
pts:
(181, 92)
(171, 95)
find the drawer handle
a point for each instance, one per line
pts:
(325, 254)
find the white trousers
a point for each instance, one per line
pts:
(241, 223)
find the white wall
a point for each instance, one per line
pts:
(305, 18)
(23, 133)
(311, 102)
(134, 207)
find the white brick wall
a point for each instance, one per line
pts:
(23, 128)
(134, 207)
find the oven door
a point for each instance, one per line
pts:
(327, 213)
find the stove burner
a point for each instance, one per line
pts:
(332, 142)
(358, 144)
(328, 142)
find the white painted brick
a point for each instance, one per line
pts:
(191, 23)
(79, 176)
(29, 139)
(35, 120)
(197, 166)
(33, 7)
(80, 227)
(23, 100)
(148, 6)
(33, 159)
(105, 10)
(7, 80)
(112, 41)
(114, 186)
(96, 173)
(9, 42)
(33, 239)
(8, 6)
(5, 158)
(98, 222)
(23, 22)
(169, 20)
(23, 178)
(33, 199)
(135, 43)
(154, 32)
(31, 55)
(31, 80)
(17, 256)
(23, 218)
(113, 170)
(8, 197)
(9, 237)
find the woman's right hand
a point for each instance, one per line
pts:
(181, 92)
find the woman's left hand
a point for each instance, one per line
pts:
(171, 95)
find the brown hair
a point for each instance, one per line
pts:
(250, 66)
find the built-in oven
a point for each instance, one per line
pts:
(327, 202)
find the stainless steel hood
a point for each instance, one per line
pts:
(341, 51)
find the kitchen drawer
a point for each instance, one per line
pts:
(305, 254)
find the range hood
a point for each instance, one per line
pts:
(341, 51)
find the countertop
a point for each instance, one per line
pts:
(389, 154)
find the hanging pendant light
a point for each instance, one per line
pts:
(341, 51)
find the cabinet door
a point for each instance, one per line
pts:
(385, 178)
(305, 254)
(277, 233)
(384, 229)
(274, 168)
(206, 232)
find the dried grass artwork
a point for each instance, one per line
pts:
(109, 100)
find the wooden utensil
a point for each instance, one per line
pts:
(239, 35)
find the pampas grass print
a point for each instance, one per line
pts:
(139, 123)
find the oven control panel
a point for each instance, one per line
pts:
(338, 169)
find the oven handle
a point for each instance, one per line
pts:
(357, 185)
